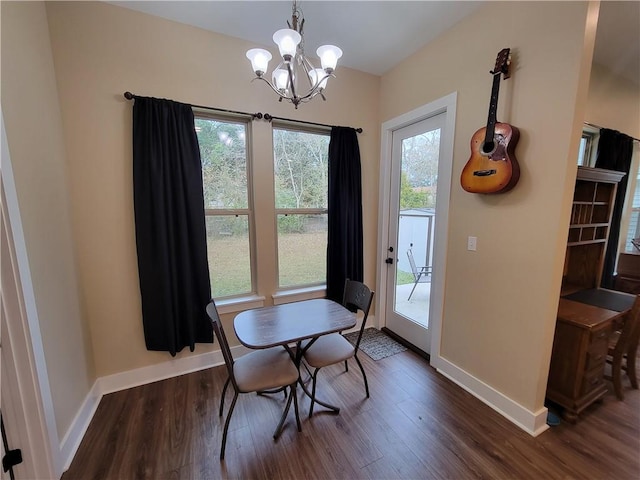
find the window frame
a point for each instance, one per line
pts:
(252, 296)
(591, 135)
(295, 291)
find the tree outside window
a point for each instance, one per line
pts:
(301, 188)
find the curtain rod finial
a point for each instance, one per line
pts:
(128, 95)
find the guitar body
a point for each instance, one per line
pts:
(495, 171)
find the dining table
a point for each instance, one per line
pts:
(294, 326)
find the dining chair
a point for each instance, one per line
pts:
(623, 348)
(420, 275)
(266, 370)
(334, 348)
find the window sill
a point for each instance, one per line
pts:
(239, 304)
(299, 294)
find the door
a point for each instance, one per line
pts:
(416, 164)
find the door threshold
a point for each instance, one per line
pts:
(407, 344)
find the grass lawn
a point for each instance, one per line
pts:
(302, 261)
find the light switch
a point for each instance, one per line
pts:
(472, 243)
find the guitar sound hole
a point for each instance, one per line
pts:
(488, 147)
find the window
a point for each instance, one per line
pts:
(630, 222)
(301, 185)
(588, 146)
(227, 203)
(634, 220)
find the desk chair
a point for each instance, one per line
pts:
(260, 371)
(623, 348)
(334, 348)
(420, 275)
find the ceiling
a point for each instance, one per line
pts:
(376, 35)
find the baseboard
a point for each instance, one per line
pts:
(160, 371)
(534, 423)
(71, 441)
(129, 379)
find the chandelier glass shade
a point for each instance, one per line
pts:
(295, 79)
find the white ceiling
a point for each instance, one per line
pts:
(376, 35)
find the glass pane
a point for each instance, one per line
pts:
(229, 258)
(634, 221)
(223, 152)
(416, 224)
(300, 167)
(302, 250)
(420, 170)
(582, 150)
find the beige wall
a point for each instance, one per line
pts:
(500, 301)
(614, 102)
(35, 139)
(100, 52)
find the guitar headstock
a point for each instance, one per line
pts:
(503, 60)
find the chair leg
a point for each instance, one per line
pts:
(616, 370)
(366, 384)
(295, 405)
(278, 431)
(631, 368)
(224, 391)
(313, 390)
(226, 425)
(631, 373)
(414, 287)
(346, 366)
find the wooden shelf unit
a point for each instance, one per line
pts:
(593, 200)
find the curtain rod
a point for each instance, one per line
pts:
(131, 96)
(600, 128)
(268, 118)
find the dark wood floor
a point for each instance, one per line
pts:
(416, 425)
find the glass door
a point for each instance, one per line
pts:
(415, 155)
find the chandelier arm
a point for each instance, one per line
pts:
(295, 100)
(292, 81)
(308, 67)
(278, 92)
(316, 89)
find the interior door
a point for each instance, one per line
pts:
(415, 158)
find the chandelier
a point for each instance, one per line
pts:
(295, 79)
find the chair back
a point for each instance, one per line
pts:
(630, 334)
(357, 296)
(412, 263)
(212, 311)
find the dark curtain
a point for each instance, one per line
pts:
(615, 150)
(344, 243)
(170, 226)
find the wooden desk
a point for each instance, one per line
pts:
(576, 375)
(292, 323)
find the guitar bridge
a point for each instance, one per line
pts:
(484, 173)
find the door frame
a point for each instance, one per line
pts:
(447, 105)
(32, 426)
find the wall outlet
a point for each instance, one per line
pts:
(472, 243)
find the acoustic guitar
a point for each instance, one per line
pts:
(493, 167)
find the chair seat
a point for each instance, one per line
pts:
(264, 369)
(329, 349)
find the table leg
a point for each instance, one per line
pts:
(298, 360)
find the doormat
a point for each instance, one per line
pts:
(375, 343)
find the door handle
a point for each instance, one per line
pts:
(389, 261)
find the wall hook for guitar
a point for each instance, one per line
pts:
(493, 167)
